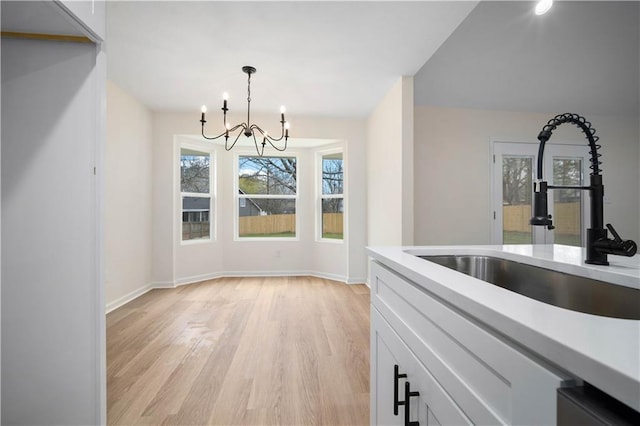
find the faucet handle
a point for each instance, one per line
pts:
(616, 236)
(617, 246)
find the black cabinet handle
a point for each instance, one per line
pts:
(407, 404)
(396, 377)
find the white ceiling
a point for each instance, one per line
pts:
(340, 58)
(580, 57)
(317, 58)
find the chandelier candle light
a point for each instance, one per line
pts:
(248, 129)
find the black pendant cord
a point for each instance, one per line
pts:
(248, 103)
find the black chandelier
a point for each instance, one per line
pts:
(248, 129)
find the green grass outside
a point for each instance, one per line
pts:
(275, 235)
(514, 237)
(568, 239)
(335, 236)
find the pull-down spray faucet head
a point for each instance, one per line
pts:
(541, 216)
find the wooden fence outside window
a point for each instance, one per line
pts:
(516, 218)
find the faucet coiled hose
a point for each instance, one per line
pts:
(586, 128)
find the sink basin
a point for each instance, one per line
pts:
(545, 285)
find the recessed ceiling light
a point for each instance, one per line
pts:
(543, 6)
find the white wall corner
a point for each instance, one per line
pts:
(384, 169)
(358, 280)
(194, 279)
(163, 284)
(407, 162)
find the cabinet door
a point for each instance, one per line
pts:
(382, 384)
(432, 406)
(431, 418)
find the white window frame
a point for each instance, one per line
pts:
(320, 154)
(207, 149)
(237, 196)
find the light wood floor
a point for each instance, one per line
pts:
(241, 351)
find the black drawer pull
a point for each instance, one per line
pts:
(407, 404)
(396, 377)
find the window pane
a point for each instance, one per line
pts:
(567, 202)
(332, 175)
(272, 218)
(194, 171)
(517, 174)
(195, 218)
(267, 175)
(332, 217)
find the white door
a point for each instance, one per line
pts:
(514, 170)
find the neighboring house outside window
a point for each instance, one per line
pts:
(249, 207)
(195, 194)
(332, 196)
(267, 197)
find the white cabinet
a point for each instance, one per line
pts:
(428, 402)
(464, 372)
(53, 322)
(87, 15)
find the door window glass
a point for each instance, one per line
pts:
(517, 175)
(567, 203)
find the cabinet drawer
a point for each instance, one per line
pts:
(491, 381)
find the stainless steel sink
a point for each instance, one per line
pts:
(545, 285)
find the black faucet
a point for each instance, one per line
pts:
(598, 244)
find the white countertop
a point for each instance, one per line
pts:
(600, 350)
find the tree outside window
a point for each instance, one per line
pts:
(517, 181)
(332, 198)
(267, 195)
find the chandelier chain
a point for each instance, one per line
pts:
(249, 88)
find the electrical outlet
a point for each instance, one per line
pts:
(277, 253)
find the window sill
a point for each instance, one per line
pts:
(330, 240)
(196, 241)
(254, 239)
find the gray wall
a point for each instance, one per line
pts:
(52, 326)
(501, 75)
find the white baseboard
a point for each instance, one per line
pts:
(128, 298)
(357, 281)
(163, 284)
(324, 275)
(264, 273)
(197, 279)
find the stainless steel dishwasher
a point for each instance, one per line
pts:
(586, 406)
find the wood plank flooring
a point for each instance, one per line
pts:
(241, 351)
